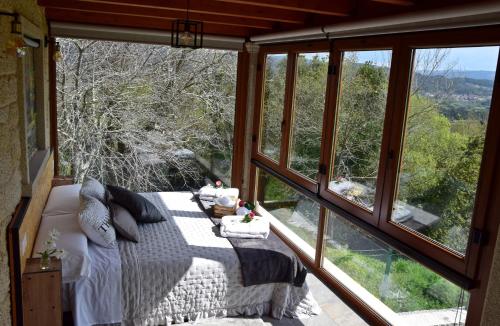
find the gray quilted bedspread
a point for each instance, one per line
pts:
(181, 270)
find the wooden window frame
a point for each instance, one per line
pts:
(470, 271)
(292, 51)
(240, 116)
(331, 119)
(464, 264)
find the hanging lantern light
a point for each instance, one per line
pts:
(15, 44)
(187, 33)
(57, 56)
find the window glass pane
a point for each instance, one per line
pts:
(160, 120)
(397, 287)
(445, 129)
(295, 215)
(29, 101)
(360, 119)
(309, 104)
(273, 105)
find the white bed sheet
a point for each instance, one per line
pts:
(76, 260)
(97, 299)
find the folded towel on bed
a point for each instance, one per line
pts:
(232, 227)
(207, 192)
(207, 198)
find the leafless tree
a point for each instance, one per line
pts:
(135, 114)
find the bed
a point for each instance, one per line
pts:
(180, 270)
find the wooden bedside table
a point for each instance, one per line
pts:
(42, 303)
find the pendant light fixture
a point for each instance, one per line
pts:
(57, 56)
(187, 33)
(15, 44)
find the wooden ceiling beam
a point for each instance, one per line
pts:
(120, 20)
(153, 13)
(330, 7)
(397, 2)
(214, 8)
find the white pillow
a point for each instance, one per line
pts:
(93, 188)
(76, 259)
(95, 222)
(63, 200)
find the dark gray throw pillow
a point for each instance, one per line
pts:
(141, 209)
(124, 222)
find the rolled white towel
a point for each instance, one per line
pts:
(231, 193)
(225, 201)
(207, 191)
(232, 227)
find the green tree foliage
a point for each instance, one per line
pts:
(309, 104)
(443, 147)
(273, 103)
(363, 97)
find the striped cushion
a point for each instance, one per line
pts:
(96, 223)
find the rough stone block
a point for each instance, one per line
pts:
(8, 65)
(13, 114)
(8, 87)
(4, 114)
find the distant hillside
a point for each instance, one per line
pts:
(440, 85)
(473, 74)
(459, 97)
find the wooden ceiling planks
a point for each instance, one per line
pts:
(397, 2)
(118, 20)
(242, 18)
(332, 8)
(211, 7)
(155, 13)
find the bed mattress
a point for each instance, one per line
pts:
(182, 270)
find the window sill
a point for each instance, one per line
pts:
(36, 166)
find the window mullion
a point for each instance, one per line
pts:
(320, 241)
(288, 107)
(329, 119)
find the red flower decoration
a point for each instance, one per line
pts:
(252, 214)
(241, 203)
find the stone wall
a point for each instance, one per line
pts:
(10, 153)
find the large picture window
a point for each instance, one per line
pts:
(297, 214)
(391, 280)
(448, 108)
(362, 99)
(30, 105)
(145, 117)
(273, 105)
(405, 158)
(307, 117)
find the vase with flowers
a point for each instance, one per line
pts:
(246, 210)
(50, 250)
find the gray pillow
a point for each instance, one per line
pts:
(95, 222)
(124, 222)
(93, 188)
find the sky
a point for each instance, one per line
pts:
(476, 58)
(463, 59)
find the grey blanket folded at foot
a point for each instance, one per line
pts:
(265, 260)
